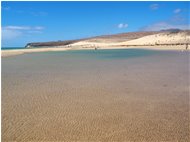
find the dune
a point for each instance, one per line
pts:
(160, 39)
(164, 40)
(89, 44)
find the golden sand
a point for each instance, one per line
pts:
(50, 97)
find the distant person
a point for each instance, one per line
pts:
(186, 46)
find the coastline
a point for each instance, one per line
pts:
(7, 53)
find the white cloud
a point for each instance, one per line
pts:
(38, 28)
(40, 13)
(122, 25)
(16, 28)
(35, 32)
(154, 6)
(19, 11)
(12, 32)
(164, 26)
(23, 28)
(5, 8)
(178, 10)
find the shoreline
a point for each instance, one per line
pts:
(14, 52)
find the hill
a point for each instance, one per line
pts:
(164, 37)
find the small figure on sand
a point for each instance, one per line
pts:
(186, 46)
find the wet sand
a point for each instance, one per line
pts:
(78, 96)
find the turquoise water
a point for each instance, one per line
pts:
(11, 48)
(115, 53)
(101, 54)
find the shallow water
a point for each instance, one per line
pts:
(11, 48)
(102, 95)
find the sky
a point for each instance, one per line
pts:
(24, 22)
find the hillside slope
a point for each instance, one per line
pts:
(167, 37)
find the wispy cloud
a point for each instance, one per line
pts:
(19, 11)
(122, 25)
(38, 28)
(34, 32)
(16, 28)
(23, 28)
(176, 21)
(40, 13)
(12, 32)
(176, 11)
(154, 6)
(5, 8)
(164, 26)
(28, 12)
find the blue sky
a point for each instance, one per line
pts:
(24, 22)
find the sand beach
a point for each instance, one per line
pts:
(103, 95)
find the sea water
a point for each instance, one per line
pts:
(11, 48)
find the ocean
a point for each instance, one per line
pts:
(11, 48)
